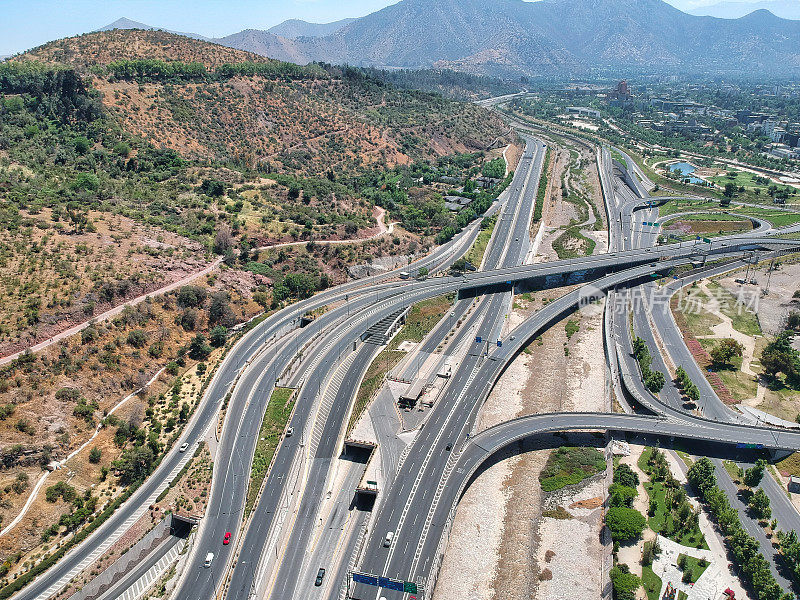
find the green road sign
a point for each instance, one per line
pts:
(410, 587)
(707, 240)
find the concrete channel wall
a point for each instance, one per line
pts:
(135, 555)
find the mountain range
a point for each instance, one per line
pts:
(509, 38)
(785, 9)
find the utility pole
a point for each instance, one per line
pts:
(769, 276)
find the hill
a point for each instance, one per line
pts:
(295, 28)
(262, 112)
(513, 37)
(126, 23)
(785, 9)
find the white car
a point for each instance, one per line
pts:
(289, 431)
(184, 447)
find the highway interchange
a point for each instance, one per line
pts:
(279, 549)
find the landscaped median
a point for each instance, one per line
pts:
(276, 416)
(421, 319)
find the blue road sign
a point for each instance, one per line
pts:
(390, 584)
(365, 579)
(499, 344)
(478, 339)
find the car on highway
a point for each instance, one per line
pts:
(449, 446)
(209, 560)
(320, 577)
(289, 431)
(226, 539)
(389, 537)
(184, 447)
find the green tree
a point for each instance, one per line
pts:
(759, 504)
(199, 348)
(191, 296)
(625, 475)
(754, 475)
(780, 357)
(625, 523)
(622, 495)
(725, 351)
(213, 188)
(624, 582)
(701, 475)
(219, 310)
(218, 335)
(95, 454)
(134, 464)
(655, 381)
(81, 144)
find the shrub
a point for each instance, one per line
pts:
(95, 454)
(218, 335)
(25, 426)
(89, 335)
(156, 350)
(622, 495)
(625, 523)
(191, 296)
(199, 348)
(625, 475)
(137, 338)
(624, 582)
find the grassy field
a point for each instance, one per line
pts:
(568, 466)
(693, 565)
(276, 416)
(662, 519)
(699, 321)
(573, 244)
(743, 320)
(422, 318)
(741, 385)
(745, 180)
(651, 582)
(790, 465)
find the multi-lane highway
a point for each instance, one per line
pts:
(273, 550)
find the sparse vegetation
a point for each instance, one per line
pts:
(569, 466)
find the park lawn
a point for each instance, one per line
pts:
(662, 519)
(569, 466)
(708, 216)
(678, 206)
(741, 385)
(573, 244)
(698, 320)
(781, 400)
(742, 179)
(693, 566)
(651, 583)
(732, 470)
(743, 319)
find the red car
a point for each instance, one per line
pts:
(227, 539)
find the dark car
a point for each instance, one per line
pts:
(449, 446)
(227, 539)
(320, 577)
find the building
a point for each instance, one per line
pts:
(582, 110)
(794, 484)
(620, 95)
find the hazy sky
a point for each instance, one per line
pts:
(28, 23)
